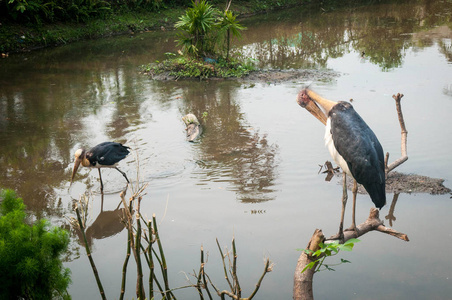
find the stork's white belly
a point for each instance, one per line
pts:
(334, 154)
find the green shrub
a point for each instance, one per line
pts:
(49, 11)
(197, 25)
(30, 264)
(185, 67)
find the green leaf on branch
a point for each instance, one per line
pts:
(327, 250)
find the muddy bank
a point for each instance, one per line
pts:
(406, 183)
(279, 76)
(413, 183)
(269, 76)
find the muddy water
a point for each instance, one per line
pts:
(253, 175)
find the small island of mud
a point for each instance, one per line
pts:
(398, 183)
(281, 76)
(272, 76)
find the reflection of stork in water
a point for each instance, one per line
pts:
(353, 146)
(104, 155)
(107, 223)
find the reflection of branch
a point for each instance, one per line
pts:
(390, 215)
(303, 280)
(404, 156)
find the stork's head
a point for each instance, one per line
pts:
(79, 156)
(319, 107)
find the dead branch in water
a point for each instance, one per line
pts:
(404, 133)
(235, 291)
(302, 288)
(80, 224)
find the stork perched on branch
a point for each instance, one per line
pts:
(104, 155)
(353, 146)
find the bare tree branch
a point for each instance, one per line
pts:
(303, 280)
(404, 133)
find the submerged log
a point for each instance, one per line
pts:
(194, 128)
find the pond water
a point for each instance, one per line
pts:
(254, 173)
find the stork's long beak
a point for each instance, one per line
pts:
(311, 101)
(76, 165)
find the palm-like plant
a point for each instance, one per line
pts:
(228, 24)
(197, 23)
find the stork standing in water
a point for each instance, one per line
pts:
(353, 146)
(104, 155)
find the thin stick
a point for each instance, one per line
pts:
(198, 281)
(258, 284)
(155, 278)
(88, 252)
(124, 267)
(228, 293)
(404, 134)
(140, 288)
(238, 290)
(224, 266)
(214, 287)
(162, 255)
(151, 262)
(204, 274)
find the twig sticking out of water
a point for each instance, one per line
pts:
(81, 227)
(124, 267)
(235, 291)
(404, 133)
(140, 242)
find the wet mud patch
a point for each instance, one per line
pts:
(280, 76)
(406, 183)
(412, 183)
(269, 76)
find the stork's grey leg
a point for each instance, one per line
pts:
(355, 191)
(101, 183)
(340, 234)
(123, 174)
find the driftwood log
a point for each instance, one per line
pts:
(194, 128)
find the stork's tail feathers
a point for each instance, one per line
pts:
(377, 194)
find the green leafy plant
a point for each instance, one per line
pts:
(197, 37)
(328, 250)
(185, 67)
(229, 26)
(41, 11)
(30, 264)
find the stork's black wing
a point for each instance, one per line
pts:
(107, 153)
(360, 148)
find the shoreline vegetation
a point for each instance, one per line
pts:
(25, 36)
(27, 28)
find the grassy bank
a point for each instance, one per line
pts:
(26, 37)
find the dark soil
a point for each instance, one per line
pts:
(271, 76)
(412, 183)
(279, 76)
(406, 183)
